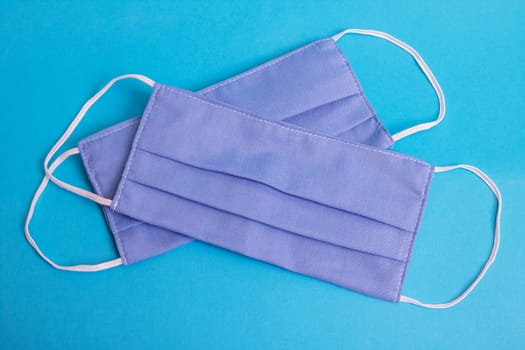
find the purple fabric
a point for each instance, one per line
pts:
(339, 211)
(312, 87)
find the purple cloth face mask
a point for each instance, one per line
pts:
(312, 87)
(332, 209)
(346, 213)
(270, 191)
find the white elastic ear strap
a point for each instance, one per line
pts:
(422, 65)
(38, 193)
(495, 245)
(81, 192)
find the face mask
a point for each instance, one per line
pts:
(312, 87)
(338, 211)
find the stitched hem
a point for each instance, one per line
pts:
(291, 128)
(252, 71)
(421, 209)
(113, 227)
(138, 135)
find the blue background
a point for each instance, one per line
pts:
(55, 55)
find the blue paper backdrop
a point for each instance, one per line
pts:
(54, 55)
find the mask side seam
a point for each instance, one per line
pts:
(95, 182)
(114, 227)
(360, 88)
(299, 131)
(407, 258)
(136, 141)
(259, 68)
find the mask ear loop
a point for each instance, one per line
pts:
(79, 191)
(422, 65)
(36, 197)
(495, 245)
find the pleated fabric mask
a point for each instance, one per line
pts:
(313, 87)
(321, 206)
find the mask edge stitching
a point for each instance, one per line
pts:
(125, 124)
(96, 185)
(300, 131)
(138, 136)
(256, 69)
(423, 202)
